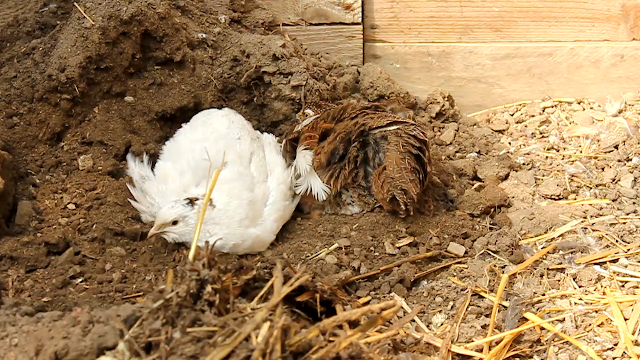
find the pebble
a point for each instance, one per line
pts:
(389, 248)
(499, 125)
(66, 257)
(546, 104)
(344, 242)
(627, 181)
(85, 162)
(71, 206)
(24, 213)
(629, 209)
(628, 193)
(27, 311)
(609, 174)
(108, 267)
(448, 136)
(100, 279)
(331, 259)
(117, 251)
(117, 276)
(632, 97)
(129, 99)
(583, 118)
(456, 249)
(576, 107)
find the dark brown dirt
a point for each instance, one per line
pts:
(76, 97)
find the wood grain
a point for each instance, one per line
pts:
(293, 12)
(481, 76)
(426, 21)
(342, 42)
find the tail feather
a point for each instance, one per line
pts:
(143, 188)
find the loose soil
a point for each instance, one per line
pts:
(76, 269)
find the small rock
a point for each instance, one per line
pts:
(576, 107)
(71, 206)
(456, 249)
(101, 279)
(533, 109)
(448, 136)
(628, 193)
(499, 125)
(632, 97)
(129, 99)
(362, 293)
(389, 248)
(355, 264)
(63, 221)
(24, 213)
(495, 166)
(550, 110)
(546, 104)
(331, 259)
(85, 162)
(609, 174)
(26, 311)
(583, 118)
(464, 167)
(117, 251)
(117, 276)
(61, 281)
(66, 257)
(108, 267)
(627, 181)
(344, 242)
(551, 188)
(56, 244)
(120, 288)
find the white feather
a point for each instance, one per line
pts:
(306, 179)
(305, 122)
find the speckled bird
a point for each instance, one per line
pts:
(351, 157)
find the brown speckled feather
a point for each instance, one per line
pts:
(367, 145)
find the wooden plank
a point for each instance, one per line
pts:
(293, 12)
(481, 76)
(426, 21)
(342, 42)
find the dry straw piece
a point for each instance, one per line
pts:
(203, 211)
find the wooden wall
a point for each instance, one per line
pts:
(333, 27)
(489, 52)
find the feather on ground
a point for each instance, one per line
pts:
(252, 200)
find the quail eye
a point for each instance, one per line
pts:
(174, 223)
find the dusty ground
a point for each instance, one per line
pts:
(76, 270)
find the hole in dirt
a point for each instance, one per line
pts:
(171, 122)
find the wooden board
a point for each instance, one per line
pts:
(342, 42)
(291, 12)
(422, 21)
(481, 76)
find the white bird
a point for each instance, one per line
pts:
(253, 197)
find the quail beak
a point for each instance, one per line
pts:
(153, 232)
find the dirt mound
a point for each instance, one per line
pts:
(79, 92)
